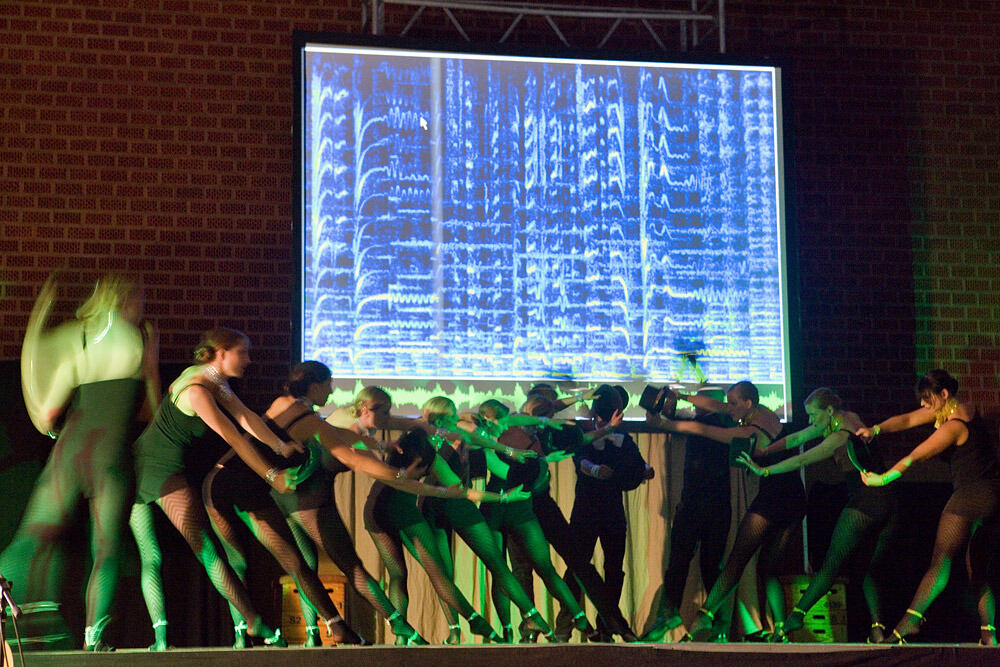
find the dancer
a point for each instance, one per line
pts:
(196, 402)
(518, 520)
(446, 515)
(770, 519)
(964, 438)
(701, 520)
(98, 364)
(392, 517)
(606, 467)
(558, 443)
(233, 492)
(862, 522)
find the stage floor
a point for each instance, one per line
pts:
(577, 655)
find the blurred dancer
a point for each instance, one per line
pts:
(463, 517)
(84, 379)
(555, 443)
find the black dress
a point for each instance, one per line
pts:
(234, 483)
(781, 499)
(975, 473)
(878, 503)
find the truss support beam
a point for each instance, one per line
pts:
(699, 19)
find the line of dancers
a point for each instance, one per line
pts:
(86, 379)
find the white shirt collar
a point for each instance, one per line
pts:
(616, 439)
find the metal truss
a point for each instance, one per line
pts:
(699, 20)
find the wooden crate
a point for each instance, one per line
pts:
(293, 626)
(826, 621)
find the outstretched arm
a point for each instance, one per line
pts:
(255, 426)
(950, 433)
(706, 403)
(823, 450)
(203, 404)
(564, 403)
(792, 441)
(898, 423)
(717, 433)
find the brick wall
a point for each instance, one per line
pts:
(155, 137)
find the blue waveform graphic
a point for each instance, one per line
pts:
(514, 219)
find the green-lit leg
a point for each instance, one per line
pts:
(151, 578)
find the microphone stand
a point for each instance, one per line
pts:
(6, 601)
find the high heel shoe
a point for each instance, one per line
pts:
(876, 634)
(405, 633)
(533, 625)
(276, 640)
(480, 626)
(241, 636)
(454, 635)
(779, 636)
(341, 633)
(699, 631)
(92, 636)
(666, 620)
(898, 637)
(313, 638)
(783, 629)
(159, 636)
(261, 631)
(987, 635)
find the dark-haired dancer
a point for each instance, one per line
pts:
(963, 437)
(392, 517)
(90, 373)
(195, 404)
(606, 467)
(862, 522)
(770, 519)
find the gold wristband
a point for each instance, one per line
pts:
(876, 429)
(765, 472)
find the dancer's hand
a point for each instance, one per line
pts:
(283, 483)
(514, 495)
(558, 455)
(548, 422)
(291, 447)
(604, 472)
(866, 433)
(874, 479)
(520, 455)
(745, 460)
(301, 473)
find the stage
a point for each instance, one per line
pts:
(634, 655)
